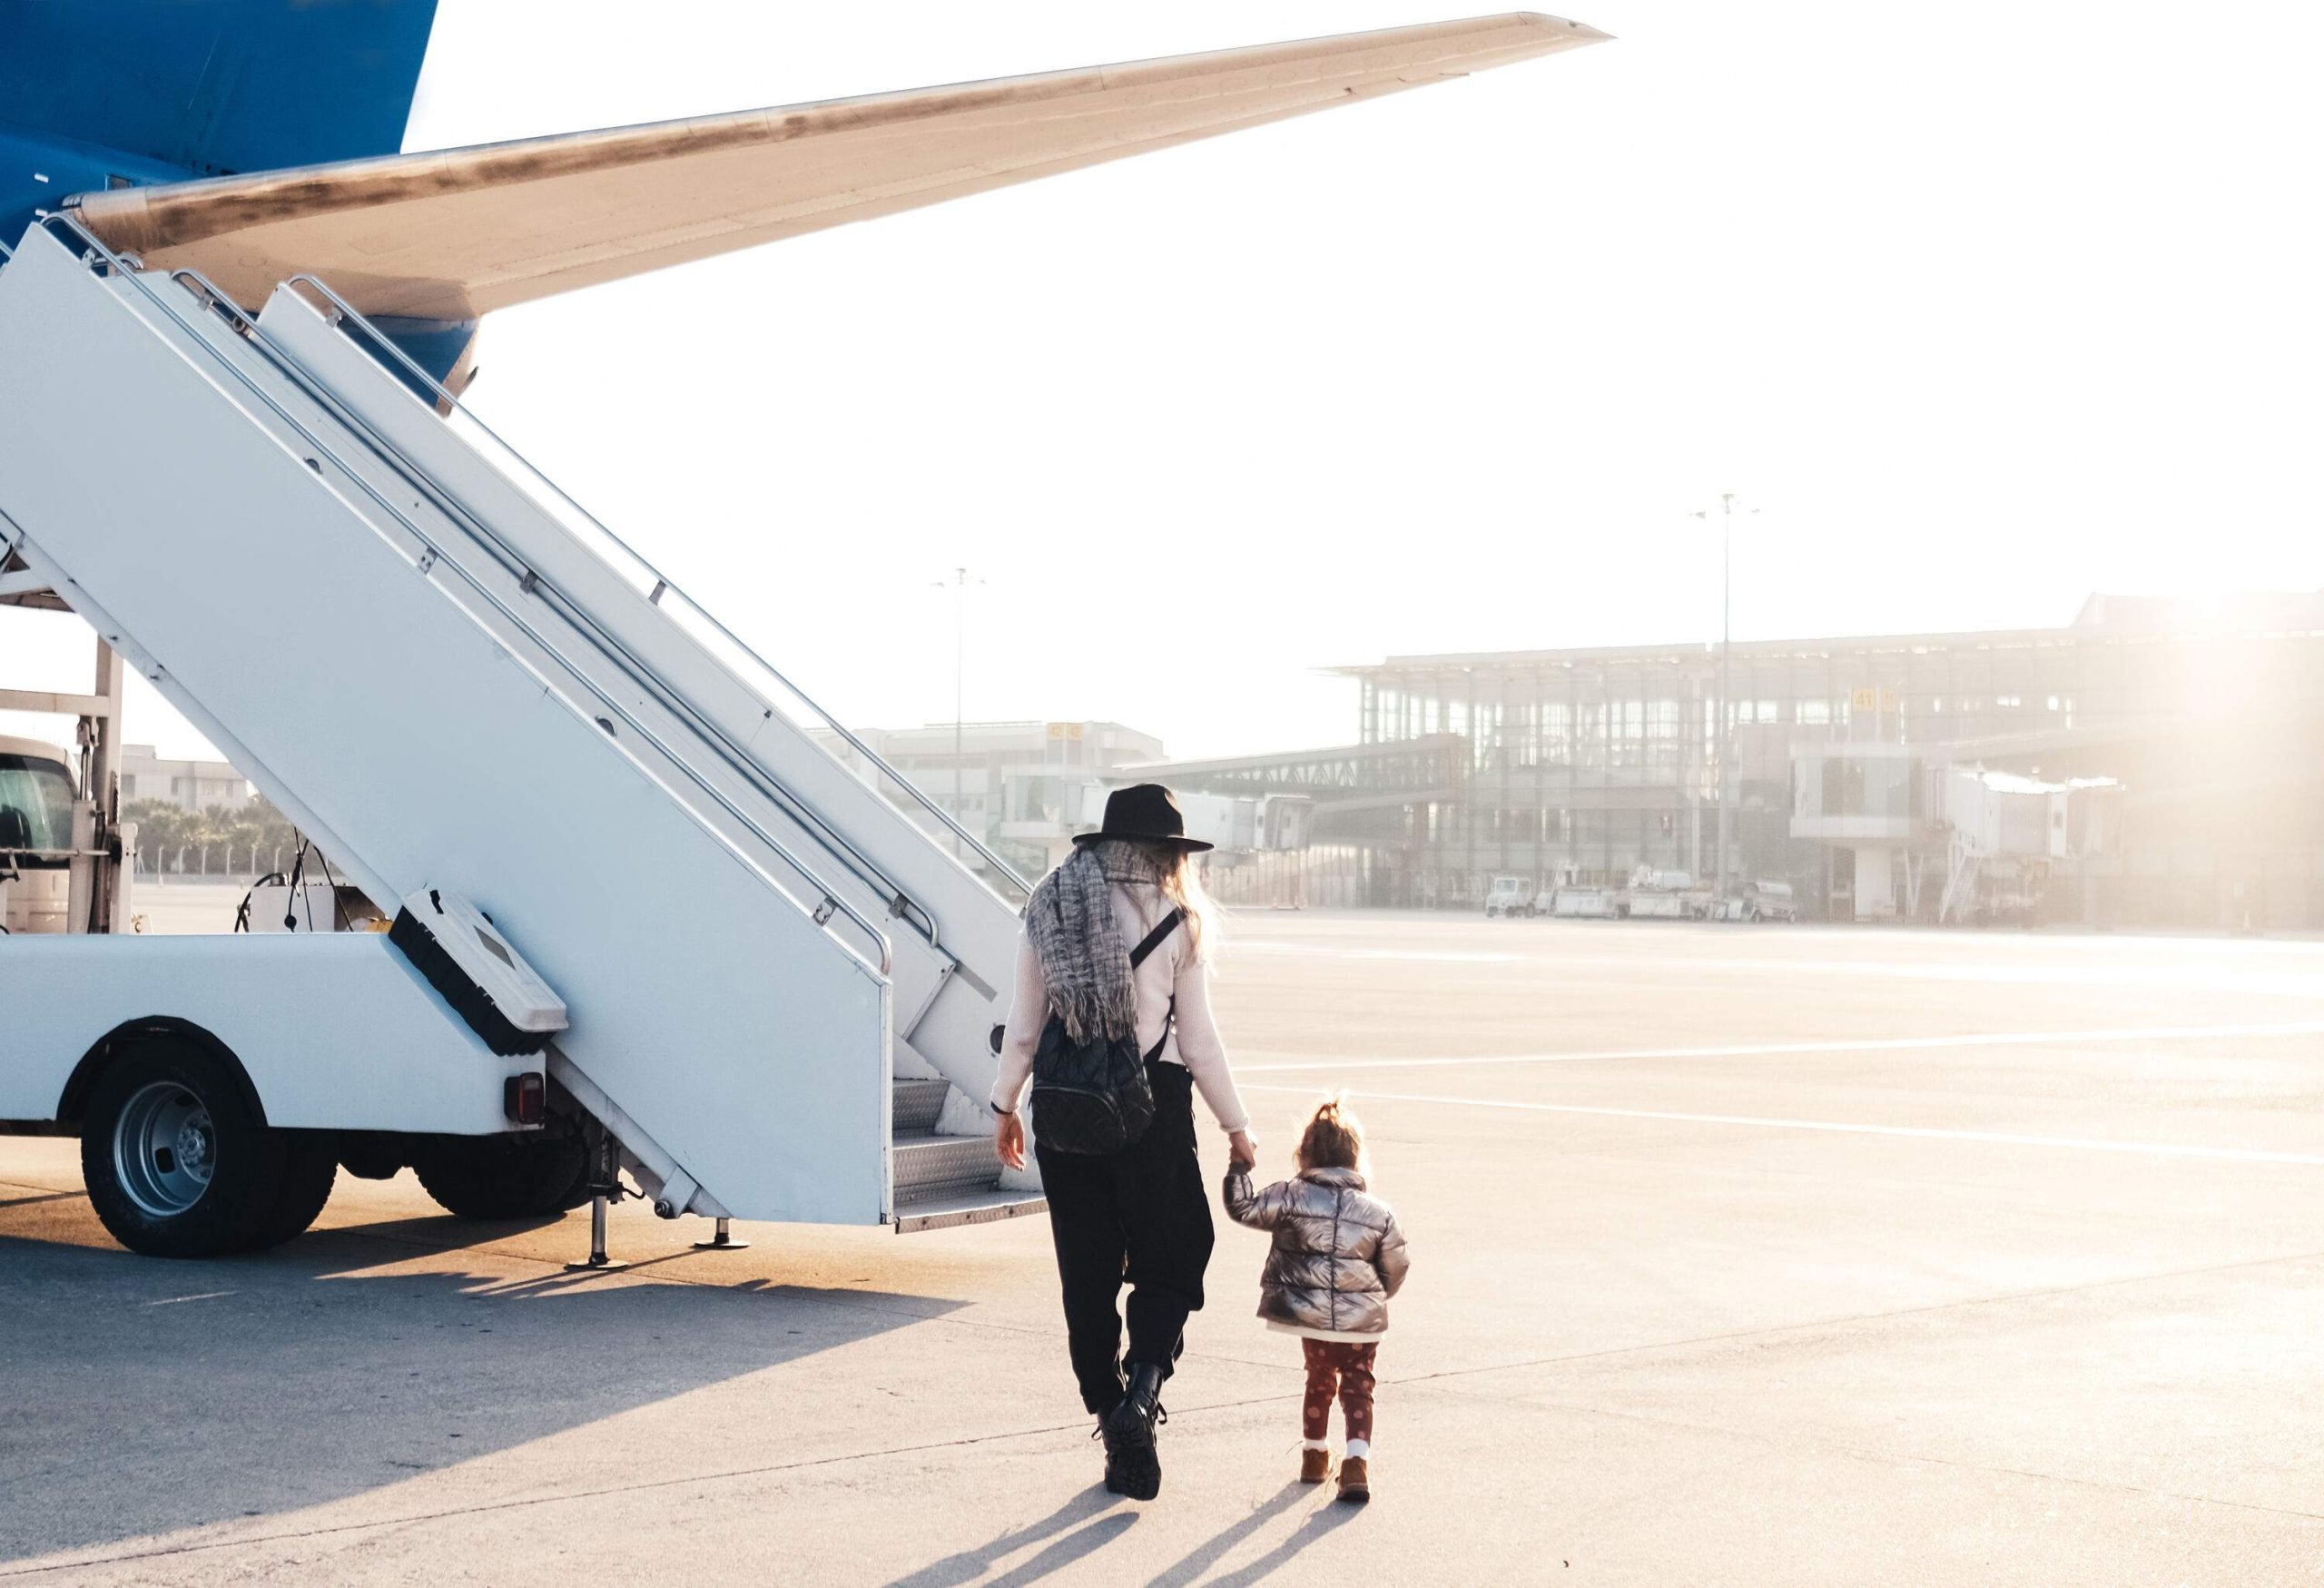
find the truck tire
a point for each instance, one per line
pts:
(176, 1159)
(504, 1176)
(310, 1170)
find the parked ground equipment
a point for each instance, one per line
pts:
(787, 1017)
(1510, 897)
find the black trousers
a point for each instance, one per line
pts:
(1139, 1215)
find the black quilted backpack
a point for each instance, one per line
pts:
(1093, 1096)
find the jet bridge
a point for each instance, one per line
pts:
(782, 993)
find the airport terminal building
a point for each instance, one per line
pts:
(1582, 765)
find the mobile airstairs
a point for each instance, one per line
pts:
(780, 996)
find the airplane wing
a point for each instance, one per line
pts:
(453, 234)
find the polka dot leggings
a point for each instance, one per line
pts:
(1344, 1366)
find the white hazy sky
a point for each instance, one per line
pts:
(1984, 310)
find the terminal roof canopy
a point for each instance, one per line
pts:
(2103, 615)
(452, 234)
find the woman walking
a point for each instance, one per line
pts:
(1114, 957)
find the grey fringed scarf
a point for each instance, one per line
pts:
(1085, 961)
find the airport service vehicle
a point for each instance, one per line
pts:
(788, 1016)
(1663, 896)
(1510, 897)
(642, 926)
(1756, 901)
(1579, 902)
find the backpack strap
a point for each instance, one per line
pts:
(1156, 938)
(1152, 941)
(1169, 1015)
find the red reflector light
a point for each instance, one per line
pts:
(525, 1099)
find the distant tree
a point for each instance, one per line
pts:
(162, 826)
(251, 832)
(260, 823)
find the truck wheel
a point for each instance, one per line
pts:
(310, 1170)
(504, 1176)
(176, 1160)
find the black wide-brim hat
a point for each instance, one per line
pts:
(1147, 812)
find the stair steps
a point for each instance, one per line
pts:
(942, 1180)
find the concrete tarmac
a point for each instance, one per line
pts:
(1743, 1256)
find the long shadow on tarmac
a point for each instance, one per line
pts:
(1325, 1518)
(1074, 1542)
(1204, 1555)
(970, 1566)
(143, 1396)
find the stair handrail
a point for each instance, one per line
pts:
(900, 905)
(446, 398)
(833, 901)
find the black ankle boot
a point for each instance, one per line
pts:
(1132, 1466)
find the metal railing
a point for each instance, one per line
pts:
(97, 255)
(900, 904)
(662, 586)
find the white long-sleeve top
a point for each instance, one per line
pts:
(1171, 970)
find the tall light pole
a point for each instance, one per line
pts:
(958, 583)
(1726, 720)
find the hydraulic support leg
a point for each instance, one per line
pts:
(720, 1242)
(598, 1261)
(605, 1185)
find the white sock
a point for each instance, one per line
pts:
(1357, 1449)
(1314, 1445)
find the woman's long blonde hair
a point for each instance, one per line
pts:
(1180, 881)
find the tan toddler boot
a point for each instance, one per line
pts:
(1355, 1482)
(1314, 1465)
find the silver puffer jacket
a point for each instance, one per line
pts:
(1338, 1254)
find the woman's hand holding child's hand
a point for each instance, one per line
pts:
(1242, 1152)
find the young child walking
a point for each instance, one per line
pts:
(1338, 1257)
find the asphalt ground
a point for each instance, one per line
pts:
(1742, 1256)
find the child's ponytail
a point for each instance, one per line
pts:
(1333, 1137)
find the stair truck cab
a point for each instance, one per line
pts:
(37, 799)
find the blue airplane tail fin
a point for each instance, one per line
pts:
(215, 86)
